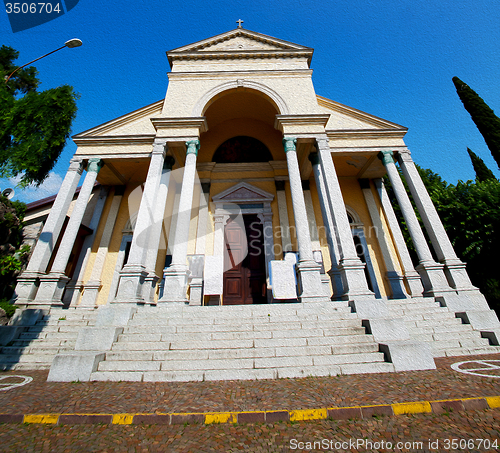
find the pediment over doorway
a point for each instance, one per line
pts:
(243, 192)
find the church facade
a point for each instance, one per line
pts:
(245, 187)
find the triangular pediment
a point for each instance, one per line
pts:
(238, 41)
(243, 192)
(345, 118)
(136, 123)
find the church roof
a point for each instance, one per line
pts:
(240, 43)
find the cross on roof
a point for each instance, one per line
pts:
(239, 22)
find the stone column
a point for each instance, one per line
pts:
(307, 269)
(454, 268)
(134, 272)
(411, 276)
(75, 286)
(155, 235)
(52, 285)
(28, 281)
(395, 279)
(331, 236)
(350, 266)
(176, 276)
(433, 278)
(283, 214)
(92, 287)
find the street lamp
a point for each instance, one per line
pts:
(71, 43)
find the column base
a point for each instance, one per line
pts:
(311, 287)
(26, 288)
(175, 287)
(456, 273)
(149, 287)
(196, 291)
(397, 285)
(131, 283)
(51, 290)
(414, 283)
(433, 278)
(91, 291)
(354, 279)
(72, 294)
(337, 285)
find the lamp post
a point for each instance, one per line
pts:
(71, 43)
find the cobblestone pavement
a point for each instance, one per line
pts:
(474, 430)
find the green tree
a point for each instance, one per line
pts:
(483, 173)
(34, 125)
(484, 118)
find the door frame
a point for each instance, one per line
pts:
(245, 198)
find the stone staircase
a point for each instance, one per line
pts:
(183, 343)
(427, 321)
(37, 345)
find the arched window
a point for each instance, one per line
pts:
(242, 149)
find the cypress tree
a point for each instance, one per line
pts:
(483, 173)
(484, 118)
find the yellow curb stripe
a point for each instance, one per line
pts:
(308, 414)
(411, 408)
(416, 407)
(41, 418)
(221, 417)
(493, 401)
(122, 419)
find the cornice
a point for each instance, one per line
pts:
(346, 134)
(241, 55)
(314, 118)
(175, 123)
(242, 166)
(114, 140)
(185, 75)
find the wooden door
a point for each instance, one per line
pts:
(245, 279)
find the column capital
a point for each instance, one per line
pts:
(280, 184)
(205, 187)
(168, 163)
(322, 143)
(95, 164)
(289, 144)
(76, 165)
(193, 147)
(386, 156)
(159, 146)
(405, 155)
(314, 158)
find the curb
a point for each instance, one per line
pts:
(335, 413)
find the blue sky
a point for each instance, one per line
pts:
(392, 59)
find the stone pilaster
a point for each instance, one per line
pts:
(28, 281)
(176, 276)
(350, 266)
(75, 286)
(331, 236)
(93, 286)
(130, 285)
(286, 242)
(411, 276)
(433, 278)
(307, 269)
(201, 232)
(395, 279)
(52, 285)
(151, 279)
